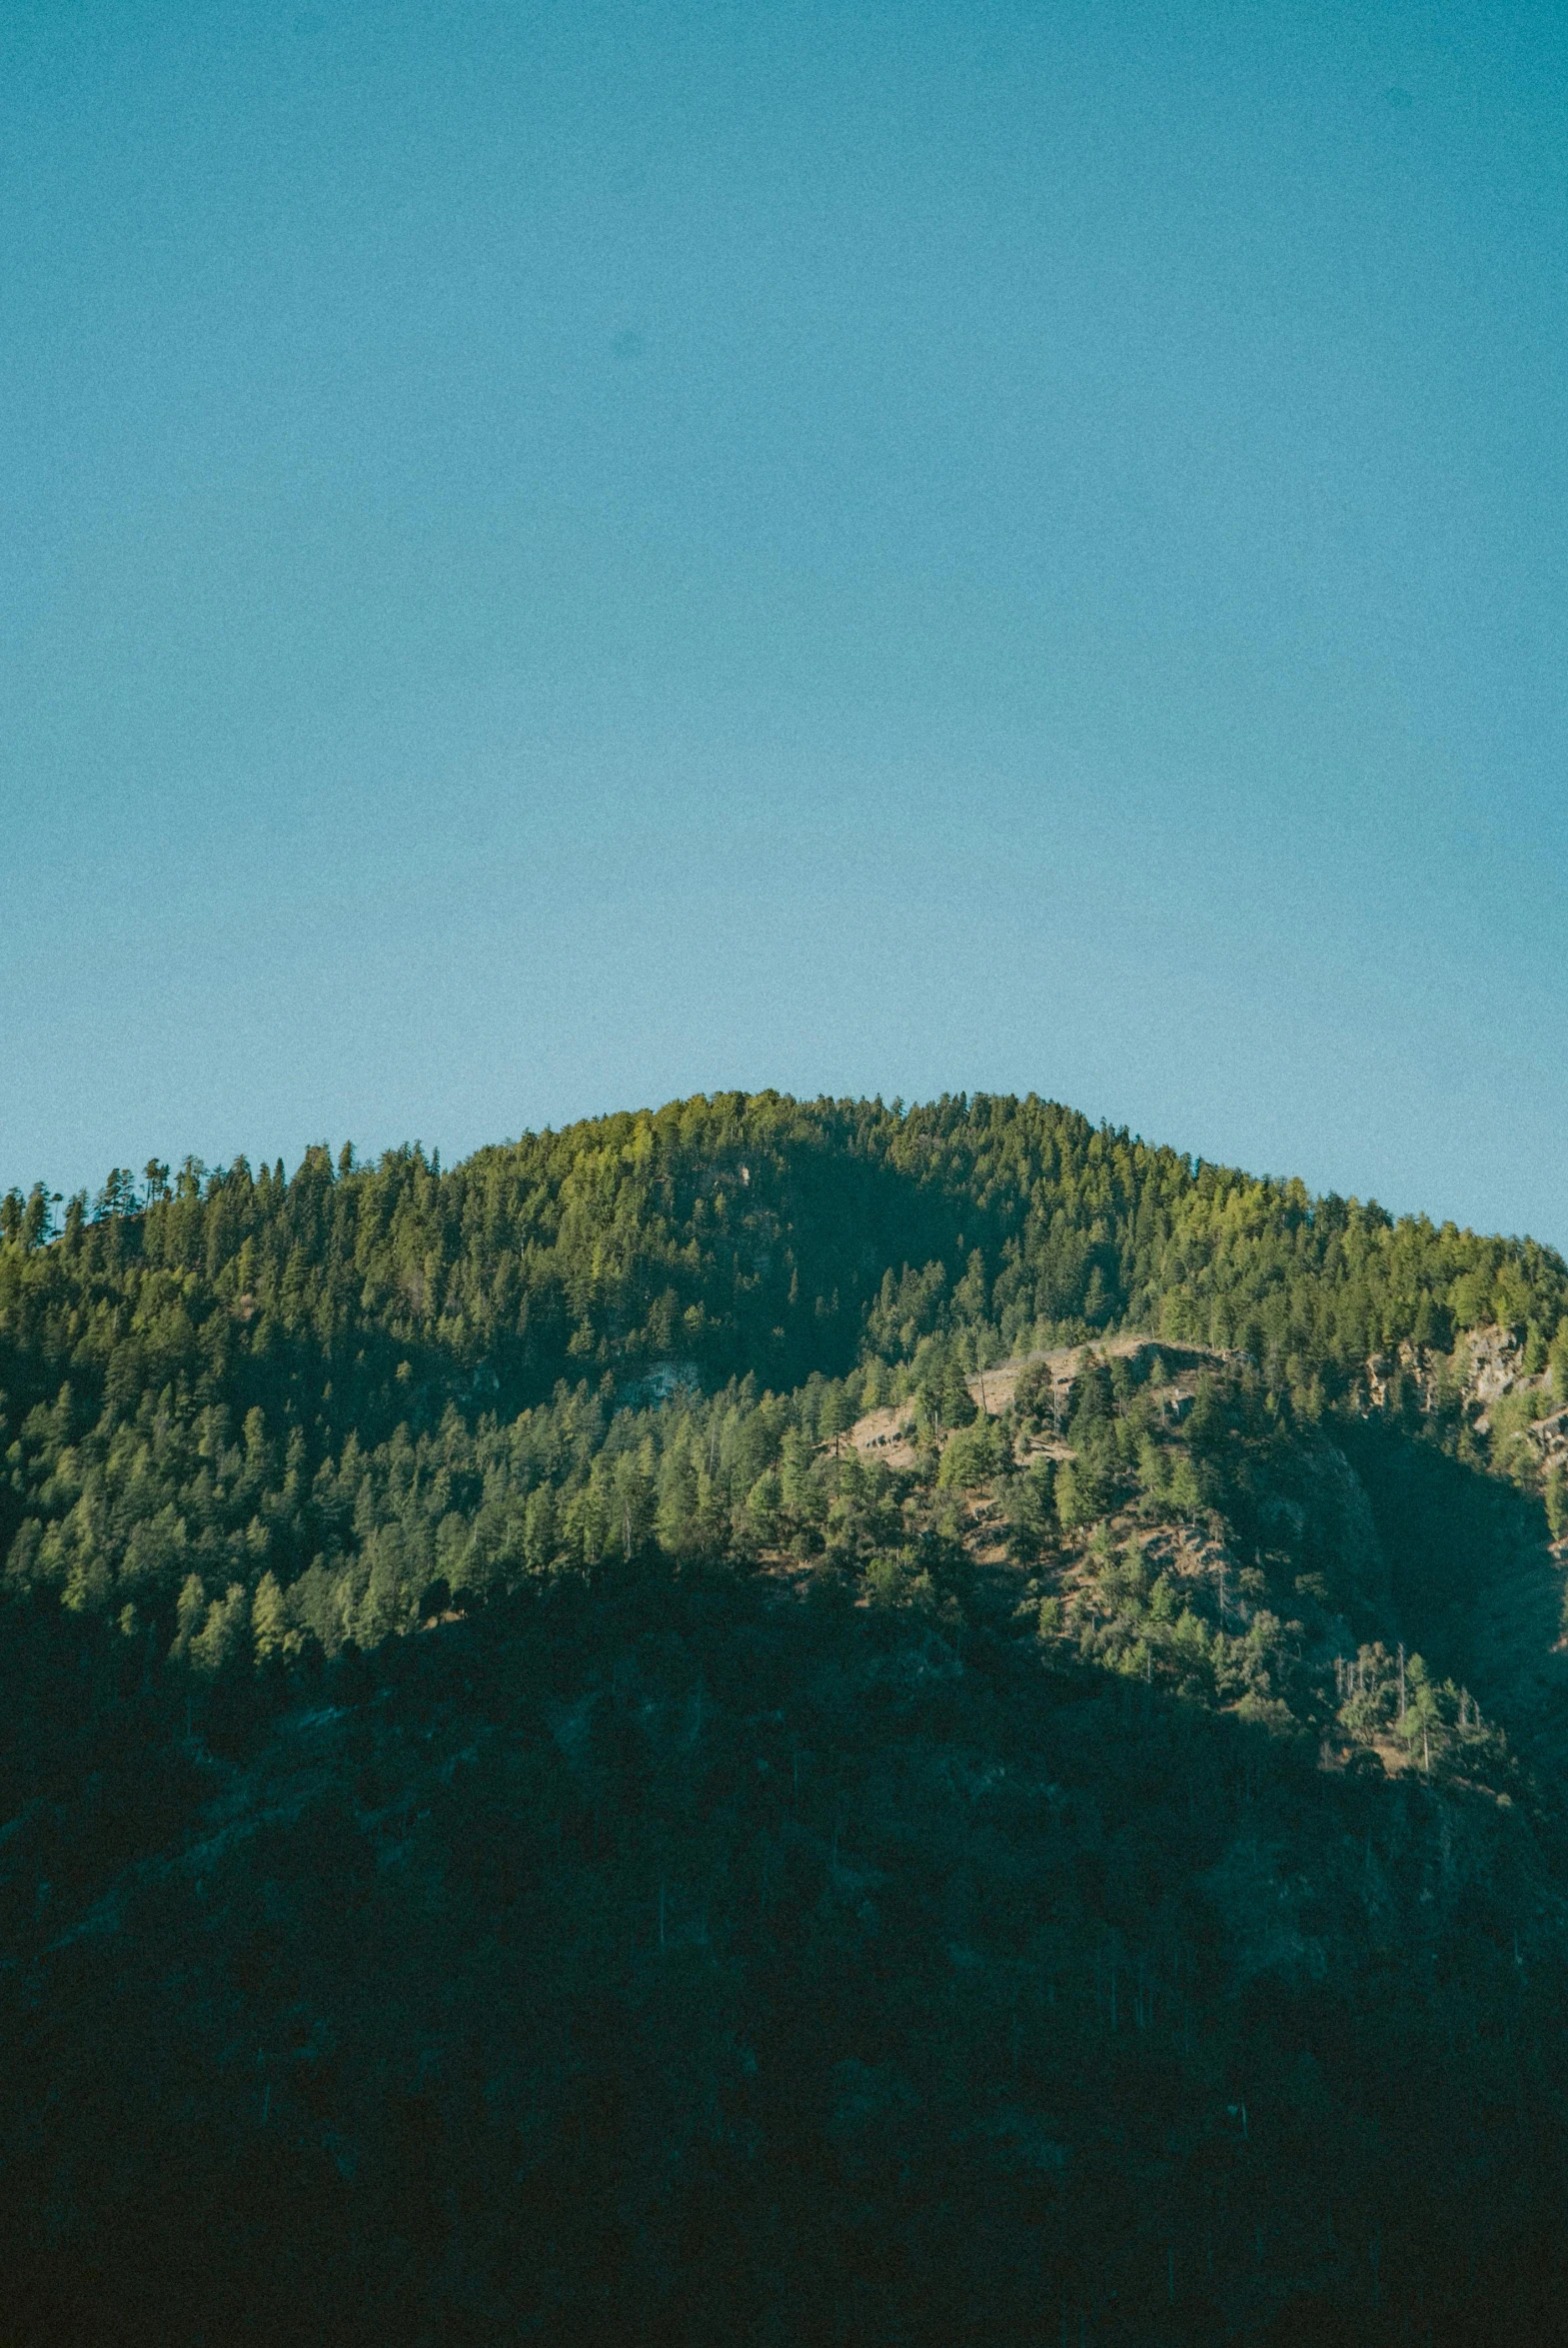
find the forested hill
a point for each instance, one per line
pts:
(786, 1720)
(739, 1234)
(362, 1374)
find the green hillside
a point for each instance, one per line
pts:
(570, 1771)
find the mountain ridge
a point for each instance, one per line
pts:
(548, 1827)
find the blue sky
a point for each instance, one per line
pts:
(553, 557)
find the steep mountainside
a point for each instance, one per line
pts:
(789, 1719)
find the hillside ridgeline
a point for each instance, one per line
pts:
(786, 1719)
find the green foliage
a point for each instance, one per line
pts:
(742, 1234)
(568, 1805)
(1558, 1362)
(1556, 1492)
(363, 1381)
(1083, 1493)
(971, 1456)
(1512, 1414)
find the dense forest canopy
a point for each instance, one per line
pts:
(527, 1528)
(741, 1233)
(234, 1375)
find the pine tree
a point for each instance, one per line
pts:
(1556, 1496)
(190, 1610)
(269, 1617)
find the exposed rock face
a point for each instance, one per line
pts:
(1492, 1363)
(1416, 1364)
(1485, 1365)
(889, 1432)
(1496, 1362)
(1550, 1436)
(992, 1389)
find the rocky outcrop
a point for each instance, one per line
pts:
(1550, 1437)
(1485, 1365)
(1416, 1366)
(1490, 1362)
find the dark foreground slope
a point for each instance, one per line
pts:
(670, 1961)
(523, 1817)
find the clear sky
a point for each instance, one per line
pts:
(557, 555)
